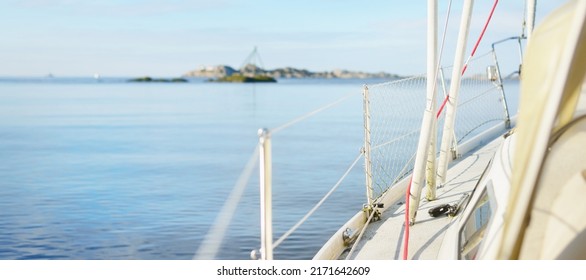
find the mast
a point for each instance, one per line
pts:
(432, 74)
(447, 138)
(428, 116)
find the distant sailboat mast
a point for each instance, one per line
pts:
(250, 71)
(253, 59)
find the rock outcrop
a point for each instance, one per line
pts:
(212, 72)
(251, 70)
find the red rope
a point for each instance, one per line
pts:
(406, 243)
(471, 54)
(407, 195)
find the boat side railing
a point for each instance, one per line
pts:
(498, 79)
(267, 244)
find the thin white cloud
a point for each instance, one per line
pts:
(121, 8)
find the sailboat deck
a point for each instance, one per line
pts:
(384, 239)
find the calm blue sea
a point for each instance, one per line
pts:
(105, 169)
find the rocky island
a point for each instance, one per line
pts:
(222, 72)
(251, 73)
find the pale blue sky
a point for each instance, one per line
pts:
(169, 38)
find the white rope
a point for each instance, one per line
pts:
(361, 233)
(212, 241)
(303, 117)
(298, 224)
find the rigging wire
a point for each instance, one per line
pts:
(252, 59)
(471, 54)
(441, 51)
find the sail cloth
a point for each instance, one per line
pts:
(552, 75)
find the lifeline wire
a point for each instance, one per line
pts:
(301, 118)
(298, 224)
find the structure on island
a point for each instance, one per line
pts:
(250, 71)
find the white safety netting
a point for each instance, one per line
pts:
(395, 111)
